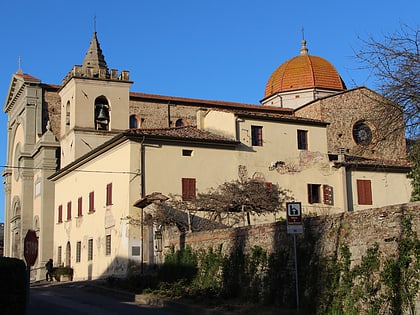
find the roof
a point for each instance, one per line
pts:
(177, 135)
(358, 162)
(94, 57)
(186, 133)
(210, 103)
(304, 71)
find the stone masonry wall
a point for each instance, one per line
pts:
(323, 235)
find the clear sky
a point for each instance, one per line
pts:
(207, 49)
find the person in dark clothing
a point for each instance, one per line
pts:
(49, 266)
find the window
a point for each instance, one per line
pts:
(314, 193)
(364, 192)
(59, 257)
(187, 152)
(60, 214)
(188, 189)
(108, 245)
(90, 249)
(302, 138)
(79, 207)
(134, 123)
(180, 123)
(102, 110)
(135, 251)
(68, 210)
(256, 135)
(78, 251)
(328, 195)
(68, 113)
(92, 201)
(109, 194)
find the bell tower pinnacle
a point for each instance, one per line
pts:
(94, 102)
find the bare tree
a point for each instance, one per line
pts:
(223, 206)
(395, 62)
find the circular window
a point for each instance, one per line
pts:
(362, 133)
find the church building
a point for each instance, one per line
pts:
(82, 155)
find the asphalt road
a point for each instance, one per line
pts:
(78, 298)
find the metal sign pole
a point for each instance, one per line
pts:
(296, 274)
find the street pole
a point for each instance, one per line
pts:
(296, 274)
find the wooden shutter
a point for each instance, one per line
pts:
(79, 207)
(364, 192)
(188, 189)
(69, 210)
(60, 213)
(109, 194)
(91, 201)
(328, 195)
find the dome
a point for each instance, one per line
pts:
(303, 72)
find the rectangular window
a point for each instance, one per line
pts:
(364, 192)
(187, 152)
(80, 207)
(60, 214)
(256, 135)
(68, 210)
(135, 251)
(188, 189)
(314, 195)
(109, 194)
(302, 138)
(108, 245)
(92, 201)
(90, 249)
(328, 195)
(59, 256)
(78, 251)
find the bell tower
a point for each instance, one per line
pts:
(94, 104)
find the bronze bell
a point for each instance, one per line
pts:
(102, 115)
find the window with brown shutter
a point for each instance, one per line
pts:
(188, 189)
(364, 192)
(256, 135)
(92, 201)
(109, 194)
(79, 207)
(60, 214)
(68, 210)
(328, 195)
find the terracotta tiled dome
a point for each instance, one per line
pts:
(302, 72)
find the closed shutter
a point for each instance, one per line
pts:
(328, 195)
(60, 213)
(188, 189)
(109, 194)
(364, 192)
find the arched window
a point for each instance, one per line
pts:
(68, 114)
(102, 110)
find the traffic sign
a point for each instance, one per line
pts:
(30, 247)
(294, 218)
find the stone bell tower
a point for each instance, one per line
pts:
(94, 104)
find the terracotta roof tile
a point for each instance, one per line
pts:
(301, 72)
(185, 132)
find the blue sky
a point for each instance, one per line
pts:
(208, 49)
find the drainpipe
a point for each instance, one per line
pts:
(142, 193)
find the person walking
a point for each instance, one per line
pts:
(49, 266)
